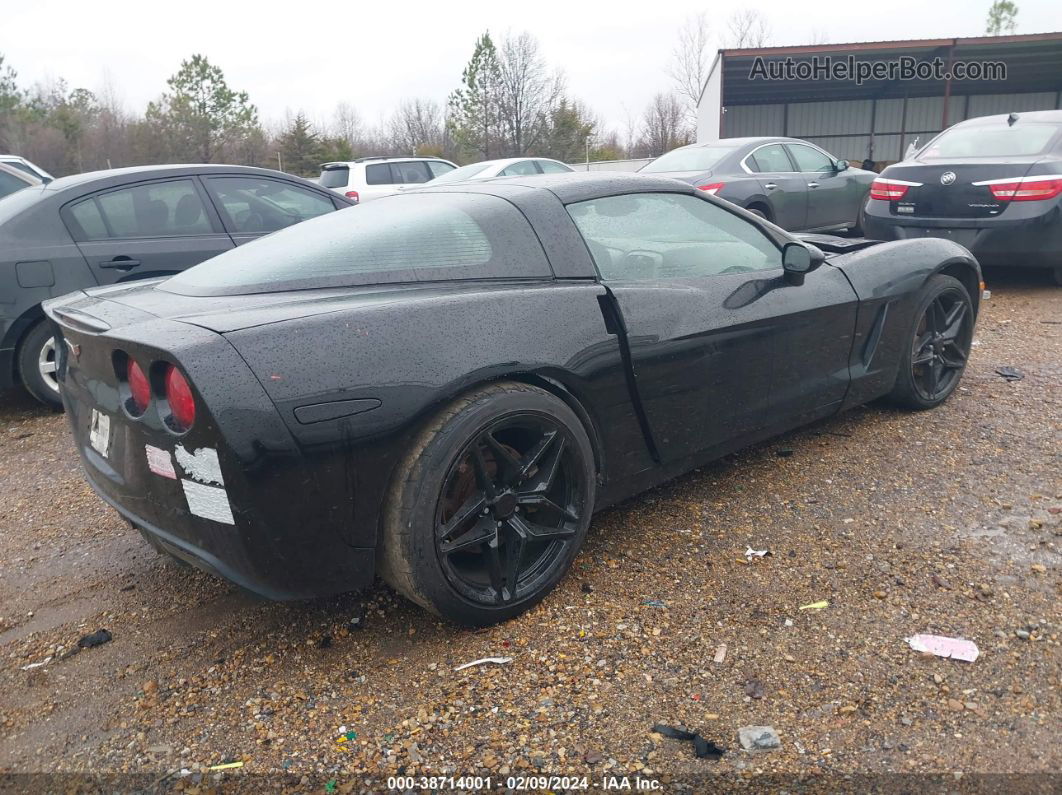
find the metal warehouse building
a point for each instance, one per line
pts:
(877, 117)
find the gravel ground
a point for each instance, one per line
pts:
(946, 522)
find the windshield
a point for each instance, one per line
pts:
(413, 238)
(1021, 140)
(691, 158)
(461, 174)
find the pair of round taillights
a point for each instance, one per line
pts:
(178, 403)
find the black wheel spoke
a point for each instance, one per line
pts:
(495, 570)
(933, 373)
(504, 458)
(474, 505)
(953, 358)
(547, 471)
(922, 358)
(542, 501)
(953, 321)
(529, 463)
(515, 542)
(483, 480)
(537, 532)
(938, 318)
(482, 531)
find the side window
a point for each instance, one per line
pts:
(652, 236)
(769, 159)
(552, 167)
(90, 219)
(412, 172)
(808, 159)
(378, 174)
(438, 168)
(9, 183)
(158, 209)
(254, 205)
(521, 169)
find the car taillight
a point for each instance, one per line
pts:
(1026, 189)
(139, 386)
(712, 188)
(353, 194)
(179, 396)
(890, 190)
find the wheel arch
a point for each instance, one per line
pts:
(20, 329)
(967, 272)
(760, 203)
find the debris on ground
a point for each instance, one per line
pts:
(587, 588)
(720, 653)
(751, 553)
(759, 738)
(97, 638)
(953, 648)
(31, 666)
(225, 766)
(1010, 373)
(784, 452)
(754, 688)
(654, 603)
(325, 642)
(815, 606)
(484, 660)
(703, 748)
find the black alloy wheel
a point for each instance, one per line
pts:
(510, 508)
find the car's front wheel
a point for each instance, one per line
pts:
(38, 364)
(938, 345)
(490, 505)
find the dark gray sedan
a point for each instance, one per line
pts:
(127, 223)
(790, 182)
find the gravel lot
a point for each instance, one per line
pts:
(946, 522)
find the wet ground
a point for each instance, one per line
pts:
(946, 522)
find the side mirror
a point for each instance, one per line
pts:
(800, 259)
(841, 165)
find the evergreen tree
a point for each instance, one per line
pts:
(300, 147)
(473, 120)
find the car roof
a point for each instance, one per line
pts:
(1035, 116)
(121, 175)
(381, 159)
(571, 186)
(29, 179)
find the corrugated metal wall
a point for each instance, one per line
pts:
(843, 128)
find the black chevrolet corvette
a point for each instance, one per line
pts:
(442, 387)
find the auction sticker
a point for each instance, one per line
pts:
(100, 432)
(160, 462)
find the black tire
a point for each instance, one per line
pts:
(937, 347)
(450, 466)
(35, 346)
(857, 230)
(758, 212)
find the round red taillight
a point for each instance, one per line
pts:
(179, 396)
(139, 387)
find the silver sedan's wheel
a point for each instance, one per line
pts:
(38, 365)
(47, 365)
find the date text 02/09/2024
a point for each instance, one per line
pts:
(523, 783)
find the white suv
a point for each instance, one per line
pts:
(370, 178)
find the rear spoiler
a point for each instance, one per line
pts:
(831, 244)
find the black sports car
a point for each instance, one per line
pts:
(993, 184)
(443, 386)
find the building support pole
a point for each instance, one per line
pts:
(947, 87)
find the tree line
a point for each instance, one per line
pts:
(509, 103)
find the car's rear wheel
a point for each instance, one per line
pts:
(490, 506)
(938, 345)
(38, 364)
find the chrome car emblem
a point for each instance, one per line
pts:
(947, 178)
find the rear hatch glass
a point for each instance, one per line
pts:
(335, 176)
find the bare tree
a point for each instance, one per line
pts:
(346, 123)
(528, 93)
(417, 127)
(689, 61)
(663, 125)
(747, 28)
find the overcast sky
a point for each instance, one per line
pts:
(291, 56)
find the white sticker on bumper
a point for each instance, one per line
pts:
(160, 462)
(209, 502)
(100, 432)
(202, 464)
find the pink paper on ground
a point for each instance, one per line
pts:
(954, 648)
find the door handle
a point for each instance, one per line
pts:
(813, 184)
(121, 263)
(770, 186)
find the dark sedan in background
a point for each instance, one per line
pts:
(129, 223)
(992, 184)
(790, 182)
(443, 386)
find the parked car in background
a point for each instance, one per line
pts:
(24, 165)
(790, 182)
(129, 223)
(507, 167)
(993, 184)
(13, 179)
(370, 178)
(443, 387)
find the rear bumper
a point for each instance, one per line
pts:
(1035, 240)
